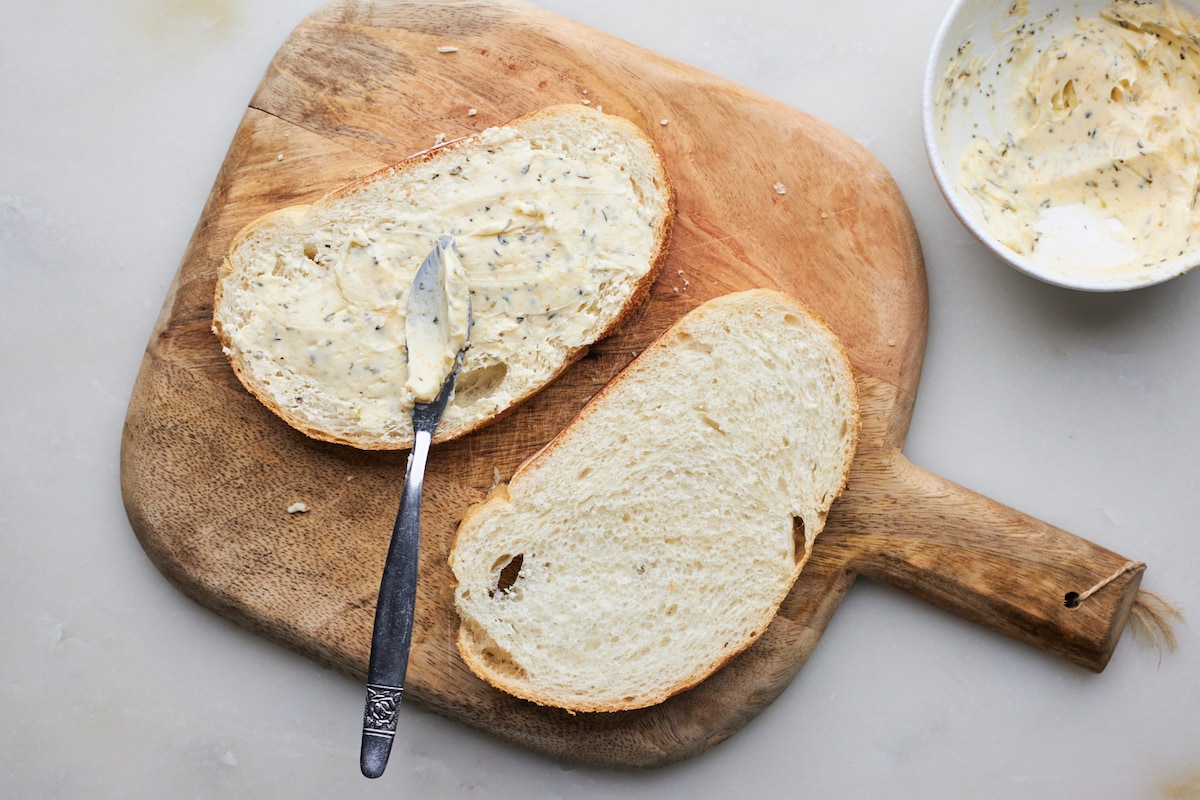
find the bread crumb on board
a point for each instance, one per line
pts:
(686, 282)
(472, 112)
(447, 48)
(298, 508)
(779, 188)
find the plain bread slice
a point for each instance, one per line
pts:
(655, 537)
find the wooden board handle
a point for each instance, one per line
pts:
(987, 562)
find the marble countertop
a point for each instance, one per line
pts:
(1076, 408)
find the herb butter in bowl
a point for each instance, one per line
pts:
(1066, 135)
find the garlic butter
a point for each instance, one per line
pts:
(1093, 162)
(551, 234)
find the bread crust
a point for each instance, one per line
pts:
(472, 645)
(366, 440)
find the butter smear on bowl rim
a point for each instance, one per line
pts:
(1066, 136)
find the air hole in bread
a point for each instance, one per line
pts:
(695, 345)
(310, 251)
(477, 382)
(509, 573)
(638, 192)
(500, 660)
(497, 657)
(799, 542)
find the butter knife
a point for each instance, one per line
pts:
(391, 639)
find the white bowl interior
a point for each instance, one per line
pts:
(948, 130)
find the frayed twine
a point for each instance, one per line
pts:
(1152, 620)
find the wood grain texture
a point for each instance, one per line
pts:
(208, 473)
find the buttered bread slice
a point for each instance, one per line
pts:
(655, 537)
(561, 219)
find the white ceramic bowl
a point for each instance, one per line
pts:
(947, 133)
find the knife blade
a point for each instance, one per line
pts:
(434, 304)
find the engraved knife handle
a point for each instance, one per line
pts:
(392, 636)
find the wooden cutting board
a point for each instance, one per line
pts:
(767, 196)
